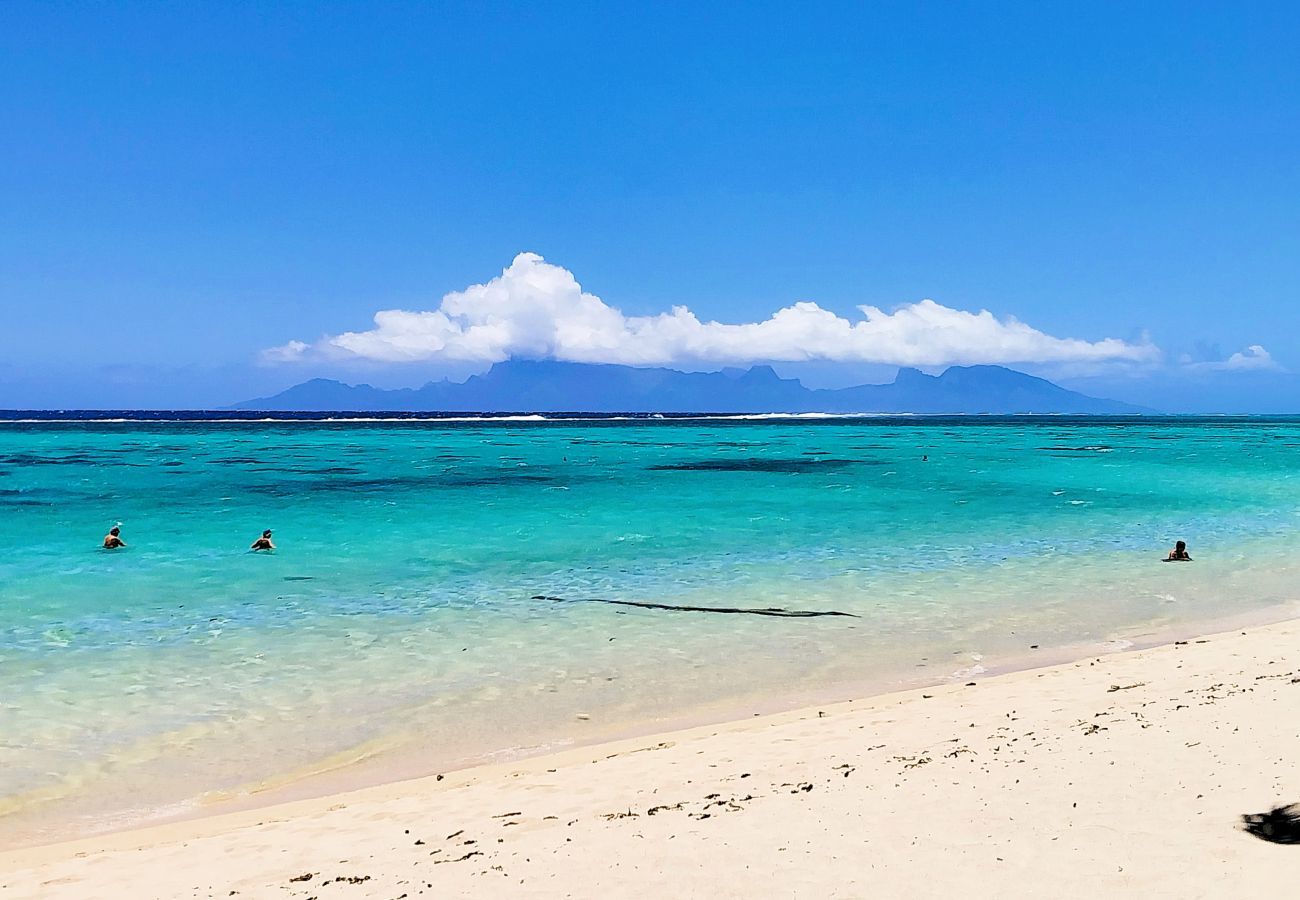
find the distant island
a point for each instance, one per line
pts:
(530, 386)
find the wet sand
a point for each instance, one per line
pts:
(1126, 775)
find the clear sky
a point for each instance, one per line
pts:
(185, 187)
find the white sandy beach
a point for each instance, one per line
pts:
(1124, 775)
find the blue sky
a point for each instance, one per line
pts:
(185, 187)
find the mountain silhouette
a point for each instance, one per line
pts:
(536, 386)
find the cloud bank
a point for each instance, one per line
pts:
(537, 310)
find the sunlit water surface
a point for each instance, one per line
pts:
(397, 619)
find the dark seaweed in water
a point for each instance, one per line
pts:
(764, 611)
(790, 466)
(291, 488)
(20, 497)
(497, 479)
(33, 459)
(12, 498)
(488, 478)
(329, 470)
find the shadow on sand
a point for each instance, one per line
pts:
(1280, 825)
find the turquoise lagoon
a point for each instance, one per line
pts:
(396, 632)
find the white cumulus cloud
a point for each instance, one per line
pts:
(290, 352)
(1253, 358)
(537, 310)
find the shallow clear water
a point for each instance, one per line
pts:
(397, 616)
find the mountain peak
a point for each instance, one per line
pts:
(908, 376)
(762, 373)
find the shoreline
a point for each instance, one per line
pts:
(1141, 686)
(378, 763)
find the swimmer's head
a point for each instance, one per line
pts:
(114, 531)
(1180, 545)
(267, 533)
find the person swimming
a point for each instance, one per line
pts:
(264, 542)
(113, 539)
(1179, 553)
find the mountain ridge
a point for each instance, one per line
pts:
(538, 386)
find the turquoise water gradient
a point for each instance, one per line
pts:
(397, 616)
